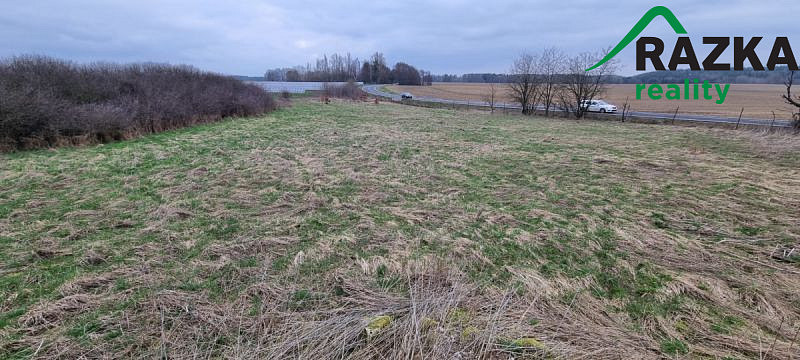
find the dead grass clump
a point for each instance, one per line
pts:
(289, 321)
(168, 212)
(93, 257)
(49, 248)
(50, 314)
(718, 307)
(198, 172)
(416, 324)
(104, 282)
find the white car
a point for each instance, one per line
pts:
(406, 95)
(599, 106)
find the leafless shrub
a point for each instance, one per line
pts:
(44, 100)
(524, 87)
(345, 91)
(791, 100)
(581, 86)
(491, 97)
(551, 65)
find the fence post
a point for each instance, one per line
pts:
(625, 108)
(740, 119)
(675, 115)
(773, 122)
(625, 112)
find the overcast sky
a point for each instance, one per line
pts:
(245, 37)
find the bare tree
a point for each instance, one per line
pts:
(405, 74)
(625, 109)
(581, 86)
(427, 78)
(293, 75)
(791, 100)
(491, 97)
(550, 70)
(524, 86)
(381, 74)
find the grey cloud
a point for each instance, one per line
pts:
(248, 36)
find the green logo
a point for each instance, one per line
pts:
(639, 27)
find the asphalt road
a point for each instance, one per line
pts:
(375, 90)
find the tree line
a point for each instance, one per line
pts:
(552, 81)
(343, 68)
(747, 76)
(487, 78)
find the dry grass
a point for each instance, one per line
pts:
(759, 101)
(447, 234)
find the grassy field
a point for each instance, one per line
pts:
(366, 231)
(759, 101)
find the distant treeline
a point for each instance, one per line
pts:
(342, 68)
(338, 68)
(474, 78)
(48, 102)
(748, 76)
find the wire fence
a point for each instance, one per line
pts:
(627, 113)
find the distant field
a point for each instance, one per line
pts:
(372, 231)
(758, 100)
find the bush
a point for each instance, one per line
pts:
(344, 91)
(50, 102)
